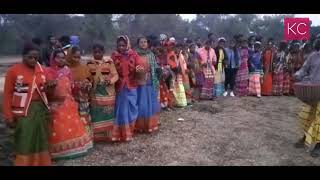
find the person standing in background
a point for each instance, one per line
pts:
(222, 58)
(278, 69)
(231, 67)
(50, 46)
(268, 56)
(255, 71)
(207, 61)
(242, 76)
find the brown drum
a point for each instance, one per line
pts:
(307, 92)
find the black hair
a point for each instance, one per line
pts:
(37, 41)
(179, 45)
(142, 37)
(74, 49)
(192, 44)
(122, 39)
(189, 41)
(283, 46)
(49, 37)
(29, 46)
(57, 51)
(98, 46)
(209, 35)
(208, 42)
(270, 39)
(64, 39)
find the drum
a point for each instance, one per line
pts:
(307, 92)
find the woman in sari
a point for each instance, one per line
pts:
(148, 105)
(197, 78)
(207, 61)
(68, 137)
(166, 98)
(222, 58)
(310, 115)
(267, 62)
(25, 108)
(127, 64)
(294, 63)
(104, 76)
(186, 72)
(278, 70)
(177, 88)
(242, 76)
(255, 71)
(81, 78)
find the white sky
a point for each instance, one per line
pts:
(315, 18)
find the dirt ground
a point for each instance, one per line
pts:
(244, 131)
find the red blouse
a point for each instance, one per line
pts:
(126, 68)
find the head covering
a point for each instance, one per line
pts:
(221, 39)
(172, 39)
(257, 42)
(126, 39)
(75, 40)
(163, 37)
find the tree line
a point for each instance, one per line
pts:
(15, 29)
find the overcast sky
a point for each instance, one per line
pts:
(315, 18)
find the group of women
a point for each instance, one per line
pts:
(59, 111)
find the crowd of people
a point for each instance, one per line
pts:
(60, 107)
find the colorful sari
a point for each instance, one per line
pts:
(288, 75)
(23, 93)
(68, 137)
(278, 75)
(81, 89)
(185, 77)
(126, 107)
(267, 69)
(255, 72)
(166, 99)
(102, 98)
(148, 105)
(207, 60)
(177, 82)
(31, 137)
(198, 75)
(220, 74)
(242, 76)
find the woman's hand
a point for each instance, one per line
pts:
(50, 85)
(139, 68)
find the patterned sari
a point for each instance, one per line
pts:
(242, 77)
(68, 137)
(102, 98)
